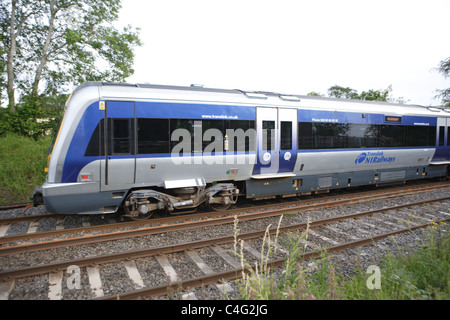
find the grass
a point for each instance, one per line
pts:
(22, 163)
(423, 274)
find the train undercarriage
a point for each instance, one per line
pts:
(142, 203)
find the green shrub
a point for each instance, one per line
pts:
(33, 117)
(22, 164)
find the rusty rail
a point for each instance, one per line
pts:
(135, 254)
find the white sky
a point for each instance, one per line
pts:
(293, 47)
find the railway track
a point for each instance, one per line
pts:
(31, 231)
(332, 232)
(14, 206)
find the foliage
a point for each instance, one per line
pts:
(422, 274)
(343, 92)
(314, 94)
(56, 44)
(370, 95)
(33, 117)
(444, 68)
(22, 163)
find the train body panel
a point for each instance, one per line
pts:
(361, 160)
(149, 147)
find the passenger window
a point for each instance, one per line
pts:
(416, 136)
(441, 136)
(392, 136)
(153, 136)
(211, 124)
(431, 136)
(286, 135)
(305, 138)
(244, 142)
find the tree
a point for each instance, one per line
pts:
(343, 93)
(444, 68)
(55, 44)
(314, 94)
(376, 95)
(370, 95)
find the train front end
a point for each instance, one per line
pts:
(65, 191)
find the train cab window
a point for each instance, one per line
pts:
(121, 136)
(441, 136)
(286, 135)
(268, 135)
(94, 148)
(153, 136)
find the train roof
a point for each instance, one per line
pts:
(198, 93)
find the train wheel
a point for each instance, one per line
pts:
(224, 206)
(219, 206)
(135, 211)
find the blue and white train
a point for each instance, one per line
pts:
(150, 147)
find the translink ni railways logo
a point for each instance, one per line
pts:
(373, 157)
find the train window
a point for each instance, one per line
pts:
(245, 142)
(153, 136)
(416, 136)
(212, 124)
(268, 135)
(392, 136)
(121, 136)
(94, 148)
(431, 136)
(441, 136)
(187, 124)
(345, 135)
(330, 135)
(305, 140)
(286, 135)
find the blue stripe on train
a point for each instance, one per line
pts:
(75, 159)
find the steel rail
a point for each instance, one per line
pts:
(141, 253)
(327, 204)
(237, 273)
(14, 206)
(12, 220)
(90, 239)
(400, 190)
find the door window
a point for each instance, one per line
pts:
(268, 135)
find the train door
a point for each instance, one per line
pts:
(276, 142)
(118, 166)
(442, 140)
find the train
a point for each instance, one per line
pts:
(141, 148)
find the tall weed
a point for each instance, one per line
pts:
(421, 274)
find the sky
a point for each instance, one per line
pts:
(293, 47)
